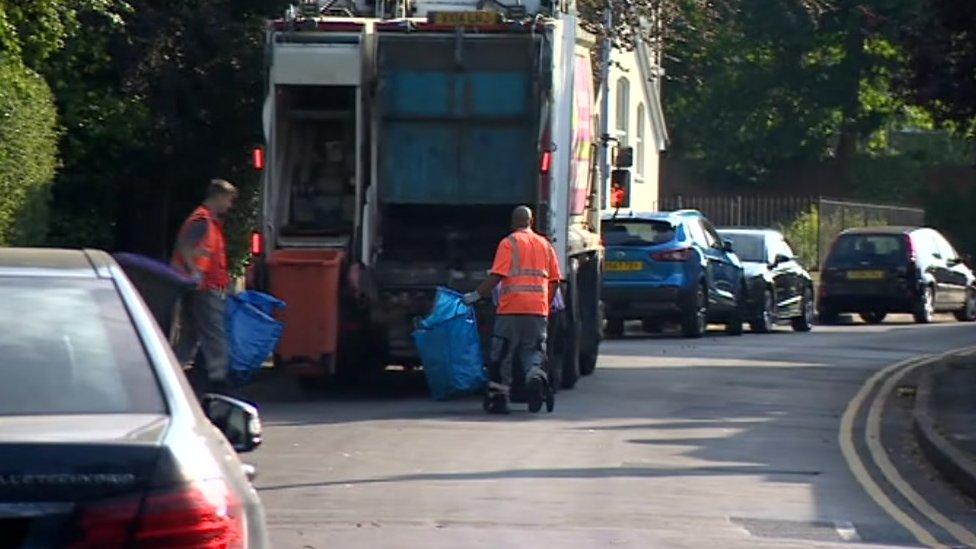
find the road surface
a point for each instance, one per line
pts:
(720, 442)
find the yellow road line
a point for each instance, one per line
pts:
(881, 459)
(846, 440)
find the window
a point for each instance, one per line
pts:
(623, 110)
(69, 347)
(711, 235)
(945, 249)
(637, 233)
(749, 247)
(639, 144)
(867, 250)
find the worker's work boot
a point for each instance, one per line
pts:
(535, 393)
(496, 403)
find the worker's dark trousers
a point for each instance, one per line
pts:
(201, 327)
(516, 337)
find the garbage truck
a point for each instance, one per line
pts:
(399, 135)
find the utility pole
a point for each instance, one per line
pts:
(605, 105)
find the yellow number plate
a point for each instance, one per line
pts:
(865, 275)
(623, 266)
(464, 18)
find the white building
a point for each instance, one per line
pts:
(637, 119)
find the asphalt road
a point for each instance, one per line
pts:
(721, 442)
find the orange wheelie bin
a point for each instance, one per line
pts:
(308, 281)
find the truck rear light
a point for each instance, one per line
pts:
(257, 158)
(257, 244)
(545, 163)
(672, 255)
(204, 515)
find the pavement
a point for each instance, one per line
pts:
(945, 419)
(779, 440)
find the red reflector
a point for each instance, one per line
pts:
(672, 255)
(257, 243)
(545, 163)
(204, 515)
(257, 158)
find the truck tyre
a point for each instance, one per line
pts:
(554, 350)
(589, 290)
(573, 329)
(615, 327)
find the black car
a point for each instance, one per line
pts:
(780, 290)
(877, 271)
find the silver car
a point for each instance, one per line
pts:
(102, 442)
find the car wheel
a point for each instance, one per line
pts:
(968, 312)
(925, 308)
(733, 325)
(763, 322)
(694, 321)
(873, 317)
(651, 326)
(615, 327)
(804, 322)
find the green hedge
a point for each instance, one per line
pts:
(28, 153)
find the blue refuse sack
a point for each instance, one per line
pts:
(450, 348)
(252, 333)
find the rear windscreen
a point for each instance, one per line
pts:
(633, 232)
(867, 250)
(68, 346)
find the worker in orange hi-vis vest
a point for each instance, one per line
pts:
(201, 253)
(527, 273)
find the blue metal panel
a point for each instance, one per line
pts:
(457, 133)
(411, 93)
(498, 94)
(437, 94)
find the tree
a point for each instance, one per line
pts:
(941, 45)
(778, 83)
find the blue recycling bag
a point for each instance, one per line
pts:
(450, 348)
(252, 333)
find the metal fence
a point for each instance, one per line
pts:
(742, 210)
(810, 223)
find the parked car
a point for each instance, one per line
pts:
(877, 271)
(670, 266)
(102, 443)
(780, 290)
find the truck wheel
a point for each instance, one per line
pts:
(615, 327)
(590, 314)
(554, 351)
(573, 329)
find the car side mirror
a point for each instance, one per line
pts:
(781, 258)
(954, 261)
(236, 419)
(727, 246)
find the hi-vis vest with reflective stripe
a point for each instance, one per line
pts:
(210, 254)
(525, 287)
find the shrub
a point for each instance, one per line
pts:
(28, 153)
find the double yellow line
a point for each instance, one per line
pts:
(894, 373)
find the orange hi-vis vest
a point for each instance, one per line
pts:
(210, 254)
(527, 264)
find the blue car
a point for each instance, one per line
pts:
(670, 266)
